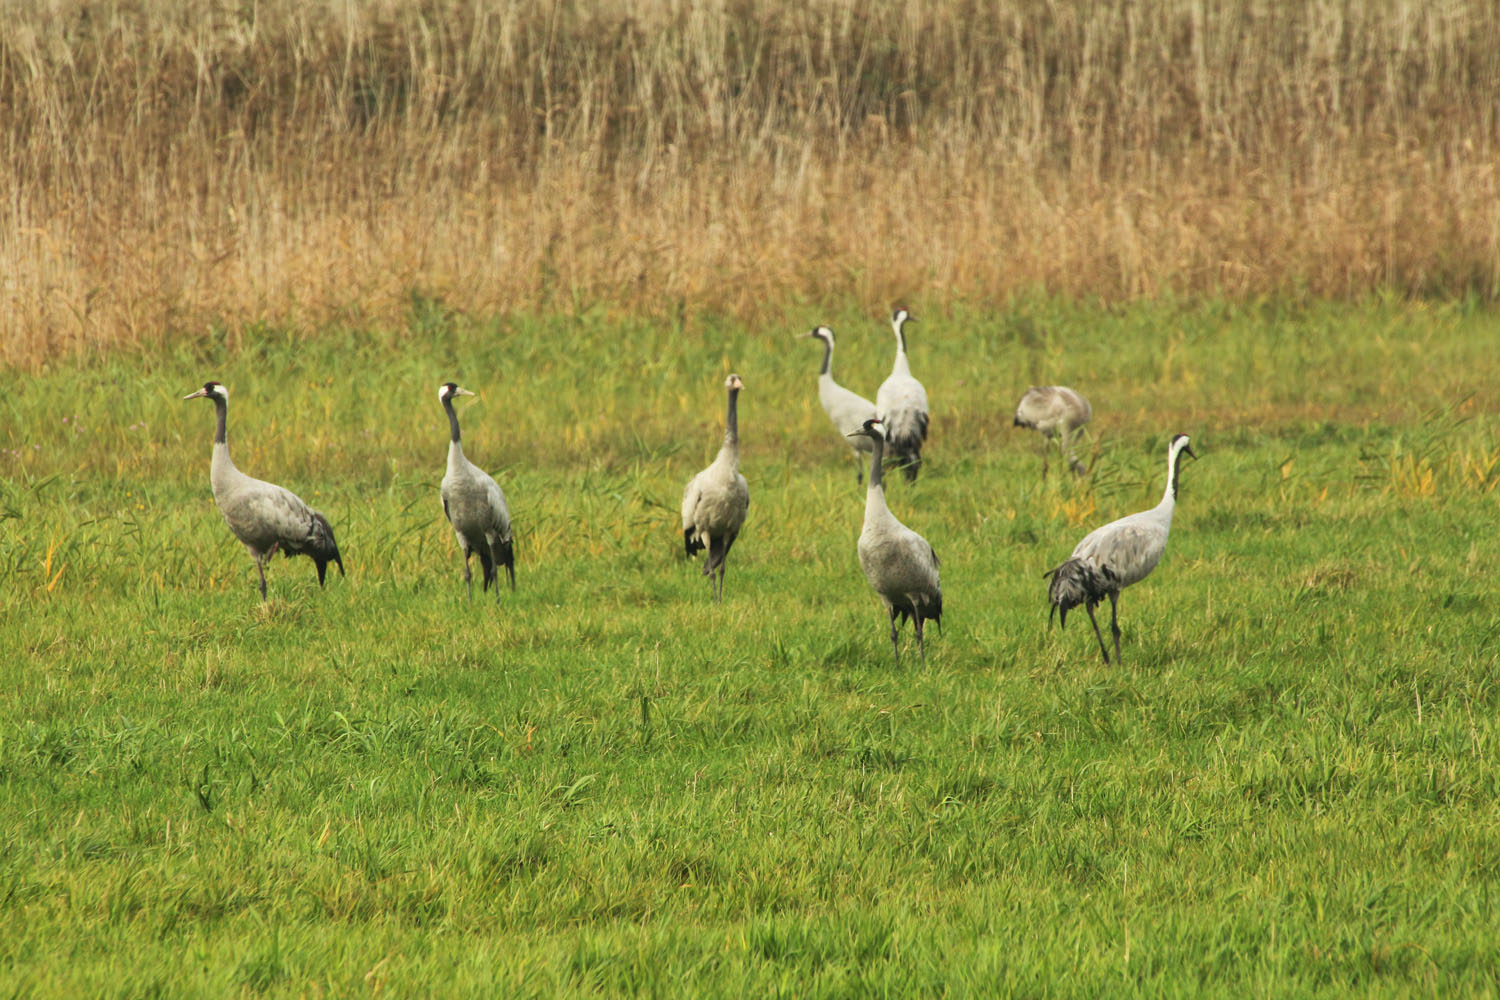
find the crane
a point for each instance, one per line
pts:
(475, 505)
(716, 500)
(263, 516)
(899, 563)
(848, 410)
(1056, 412)
(1111, 558)
(901, 405)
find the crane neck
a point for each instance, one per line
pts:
(901, 366)
(1174, 464)
(877, 452)
(732, 424)
(222, 473)
(827, 358)
(453, 434)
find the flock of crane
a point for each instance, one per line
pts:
(900, 565)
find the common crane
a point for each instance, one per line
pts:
(898, 562)
(848, 410)
(475, 506)
(1056, 412)
(1111, 558)
(264, 516)
(901, 405)
(716, 500)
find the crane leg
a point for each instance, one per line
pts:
(1065, 452)
(468, 577)
(1114, 624)
(921, 646)
(1089, 607)
(261, 569)
(895, 647)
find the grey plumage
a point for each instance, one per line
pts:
(1056, 412)
(716, 500)
(899, 563)
(847, 409)
(1111, 558)
(263, 516)
(901, 405)
(475, 506)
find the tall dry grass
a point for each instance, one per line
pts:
(176, 165)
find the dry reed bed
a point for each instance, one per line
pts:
(173, 166)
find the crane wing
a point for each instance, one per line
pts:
(1128, 549)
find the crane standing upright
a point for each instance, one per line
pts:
(847, 409)
(1111, 558)
(901, 405)
(475, 506)
(899, 563)
(716, 500)
(263, 516)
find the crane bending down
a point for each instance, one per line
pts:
(848, 410)
(901, 405)
(897, 561)
(716, 500)
(263, 516)
(1056, 412)
(1111, 558)
(475, 506)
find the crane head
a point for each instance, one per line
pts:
(733, 383)
(822, 333)
(1181, 446)
(871, 428)
(210, 390)
(448, 390)
(901, 317)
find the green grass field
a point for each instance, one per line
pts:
(609, 785)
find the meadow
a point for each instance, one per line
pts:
(605, 783)
(1275, 227)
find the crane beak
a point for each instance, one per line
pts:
(464, 392)
(1188, 451)
(195, 395)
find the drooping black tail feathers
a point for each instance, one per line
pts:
(321, 547)
(907, 454)
(1075, 583)
(505, 555)
(486, 568)
(930, 610)
(691, 543)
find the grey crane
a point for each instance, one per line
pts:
(1056, 412)
(897, 561)
(848, 410)
(901, 404)
(716, 500)
(475, 506)
(264, 516)
(1111, 558)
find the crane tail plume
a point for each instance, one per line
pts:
(320, 546)
(505, 555)
(1074, 583)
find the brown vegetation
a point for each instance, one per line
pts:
(171, 166)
